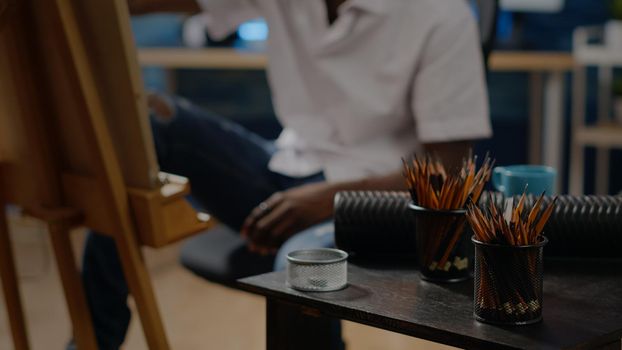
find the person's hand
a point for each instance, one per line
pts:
(285, 213)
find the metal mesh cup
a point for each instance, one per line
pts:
(508, 283)
(317, 270)
(443, 251)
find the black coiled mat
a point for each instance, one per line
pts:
(377, 224)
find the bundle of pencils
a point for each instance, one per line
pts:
(508, 265)
(513, 225)
(434, 188)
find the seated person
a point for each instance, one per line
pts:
(356, 84)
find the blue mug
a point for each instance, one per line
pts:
(512, 180)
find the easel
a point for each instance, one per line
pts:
(75, 150)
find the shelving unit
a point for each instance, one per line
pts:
(604, 134)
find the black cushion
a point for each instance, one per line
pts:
(220, 255)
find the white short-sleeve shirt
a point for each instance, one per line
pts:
(356, 96)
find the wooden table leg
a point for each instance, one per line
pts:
(554, 125)
(81, 321)
(10, 286)
(577, 150)
(292, 327)
(535, 118)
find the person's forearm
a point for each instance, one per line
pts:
(451, 155)
(138, 7)
(391, 182)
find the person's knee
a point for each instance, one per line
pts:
(176, 120)
(172, 124)
(171, 114)
(161, 107)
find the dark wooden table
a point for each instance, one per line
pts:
(582, 308)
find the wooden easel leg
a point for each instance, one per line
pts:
(72, 286)
(138, 280)
(10, 286)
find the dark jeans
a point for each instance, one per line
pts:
(228, 168)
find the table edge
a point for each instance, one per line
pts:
(420, 331)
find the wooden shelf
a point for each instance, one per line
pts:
(513, 61)
(609, 135)
(228, 58)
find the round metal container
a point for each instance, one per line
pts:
(317, 270)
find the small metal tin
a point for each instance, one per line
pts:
(317, 270)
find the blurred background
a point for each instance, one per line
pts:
(526, 94)
(530, 26)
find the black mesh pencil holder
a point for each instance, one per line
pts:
(508, 283)
(441, 243)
